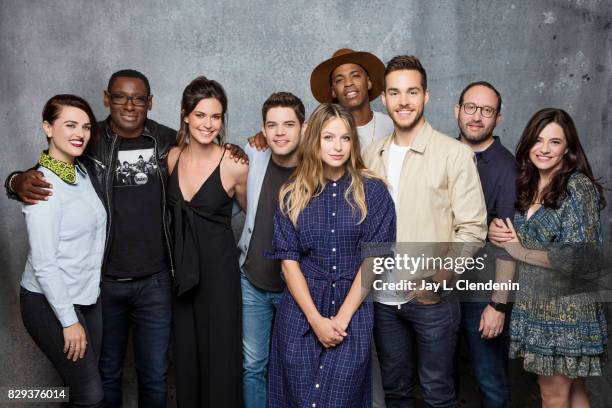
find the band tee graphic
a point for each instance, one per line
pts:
(135, 167)
(136, 245)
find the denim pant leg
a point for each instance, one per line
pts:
(378, 393)
(436, 328)
(258, 307)
(489, 358)
(151, 318)
(116, 307)
(395, 347)
(81, 376)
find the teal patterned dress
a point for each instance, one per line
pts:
(555, 328)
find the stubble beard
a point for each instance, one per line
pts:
(411, 125)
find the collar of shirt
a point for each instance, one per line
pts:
(489, 153)
(420, 143)
(65, 171)
(345, 178)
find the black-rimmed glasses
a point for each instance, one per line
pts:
(120, 99)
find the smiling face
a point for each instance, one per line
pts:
(405, 98)
(477, 129)
(550, 147)
(68, 134)
(127, 120)
(282, 130)
(350, 85)
(205, 121)
(335, 147)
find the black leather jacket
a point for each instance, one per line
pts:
(100, 159)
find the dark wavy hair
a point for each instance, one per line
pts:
(574, 160)
(198, 89)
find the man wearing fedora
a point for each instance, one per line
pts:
(352, 79)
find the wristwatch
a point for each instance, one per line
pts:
(500, 307)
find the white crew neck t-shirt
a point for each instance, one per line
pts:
(394, 169)
(380, 126)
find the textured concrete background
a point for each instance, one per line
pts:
(539, 54)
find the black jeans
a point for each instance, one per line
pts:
(81, 376)
(145, 307)
(417, 339)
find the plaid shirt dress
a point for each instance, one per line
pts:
(328, 245)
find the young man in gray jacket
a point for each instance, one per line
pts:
(262, 286)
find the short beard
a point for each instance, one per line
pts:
(471, 139)
(409, 127)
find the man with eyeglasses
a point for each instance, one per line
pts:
(482, 322)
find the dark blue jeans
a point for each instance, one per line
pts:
(417, 339)
(145, 306)
(489, 358)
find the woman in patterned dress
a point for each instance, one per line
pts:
(328, 212)
(558, 328)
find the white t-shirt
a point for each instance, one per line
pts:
(380, 126)
(394, 169)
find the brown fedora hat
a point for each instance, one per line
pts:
(320, 85)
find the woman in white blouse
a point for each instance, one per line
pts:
(60, 285)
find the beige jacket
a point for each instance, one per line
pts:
(440, 197)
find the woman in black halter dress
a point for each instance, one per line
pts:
(207, 299)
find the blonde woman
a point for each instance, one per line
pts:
(329, 210)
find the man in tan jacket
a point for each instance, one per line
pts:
(434, 182)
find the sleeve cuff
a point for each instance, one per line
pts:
(380, 249)
(68, 318)
(283, 255)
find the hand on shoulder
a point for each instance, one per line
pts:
(238, 170)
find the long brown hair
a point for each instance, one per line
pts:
(574, 160)
(198, 89)
(308, 180)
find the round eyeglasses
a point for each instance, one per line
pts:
(471, 108)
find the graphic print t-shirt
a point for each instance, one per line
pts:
(137, 246)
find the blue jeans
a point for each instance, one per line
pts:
(258, 307)
(489, 358)
(417, 338)
(145, 305)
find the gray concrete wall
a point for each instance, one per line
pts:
(539, 54)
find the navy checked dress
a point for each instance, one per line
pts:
(327, 243)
